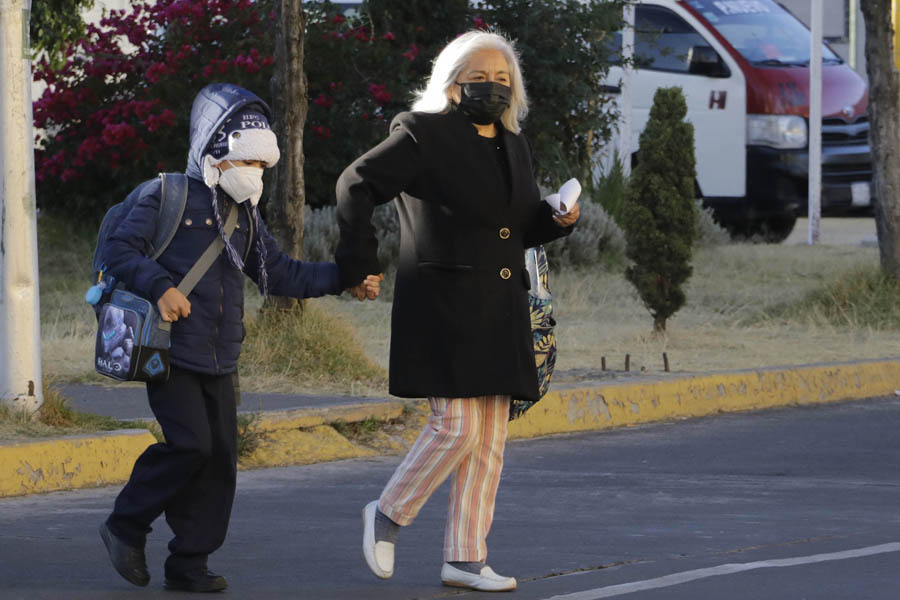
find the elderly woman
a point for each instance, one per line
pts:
(460, 328)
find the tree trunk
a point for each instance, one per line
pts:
(290, 104)
(884, 119)
(659, 325)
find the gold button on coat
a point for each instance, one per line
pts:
(188, 222)
(209, 221)
(505, 273)
(504, 233)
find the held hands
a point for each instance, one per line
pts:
(368, 288)
(173, 305)
(569, 218)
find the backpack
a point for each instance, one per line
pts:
(173, 198)
(132, 341)
(542, 323)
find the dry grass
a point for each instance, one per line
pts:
(748, 306)
(745, 309)
(68, 325)
(727, 323)
(305, 351)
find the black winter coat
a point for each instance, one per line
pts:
(460, 325)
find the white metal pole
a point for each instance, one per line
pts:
(815, 121)
(627, 56)
(20, 330)
(851, 31)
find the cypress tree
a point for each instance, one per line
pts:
(659, 216)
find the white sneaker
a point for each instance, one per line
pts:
(486, 581)
(379, 555)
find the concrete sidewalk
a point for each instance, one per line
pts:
(291, 429)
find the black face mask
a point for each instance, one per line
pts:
(483, 101)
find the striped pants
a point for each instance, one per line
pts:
(464, 438)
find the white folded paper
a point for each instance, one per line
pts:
(567, 197)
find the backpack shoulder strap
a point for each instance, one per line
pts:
(172, 200)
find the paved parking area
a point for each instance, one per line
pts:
(837, 231)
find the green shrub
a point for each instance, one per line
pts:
(660, 217)
(709, 232)
(596, 239)
(321, 233)
(609, 190)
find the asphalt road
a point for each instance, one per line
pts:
(788, 504)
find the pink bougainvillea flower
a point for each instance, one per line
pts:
(155, 71)
(322, 132)
(323, 101)
(412, 53)
(380, 93)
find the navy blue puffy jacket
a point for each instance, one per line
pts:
(209, 340)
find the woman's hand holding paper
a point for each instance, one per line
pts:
(568, 219)
(565, 203)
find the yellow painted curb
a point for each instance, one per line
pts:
(606, 405)
(70, 462)
(302, 436)
(295, 447)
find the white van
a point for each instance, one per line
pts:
(744, 69)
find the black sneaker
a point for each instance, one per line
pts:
(129, 561)
(201, 581)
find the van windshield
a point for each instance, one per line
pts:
(762, 31)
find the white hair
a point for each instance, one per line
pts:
(453, 59)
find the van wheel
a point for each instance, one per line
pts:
(776, 229)
(772, 230)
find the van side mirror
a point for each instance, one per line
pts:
(703, 60)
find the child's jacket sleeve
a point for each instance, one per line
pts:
(289, 277)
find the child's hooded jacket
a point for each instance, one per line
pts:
(209, 340)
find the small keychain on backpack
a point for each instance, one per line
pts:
(95, 292)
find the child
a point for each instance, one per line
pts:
(191, 477)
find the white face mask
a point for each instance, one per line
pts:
(242, 183)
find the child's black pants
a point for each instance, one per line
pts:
(191, 477)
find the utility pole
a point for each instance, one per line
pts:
(625, 133)
(815, 121)
(20, 329)
(851, 30)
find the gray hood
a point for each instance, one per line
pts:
(214, 105)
